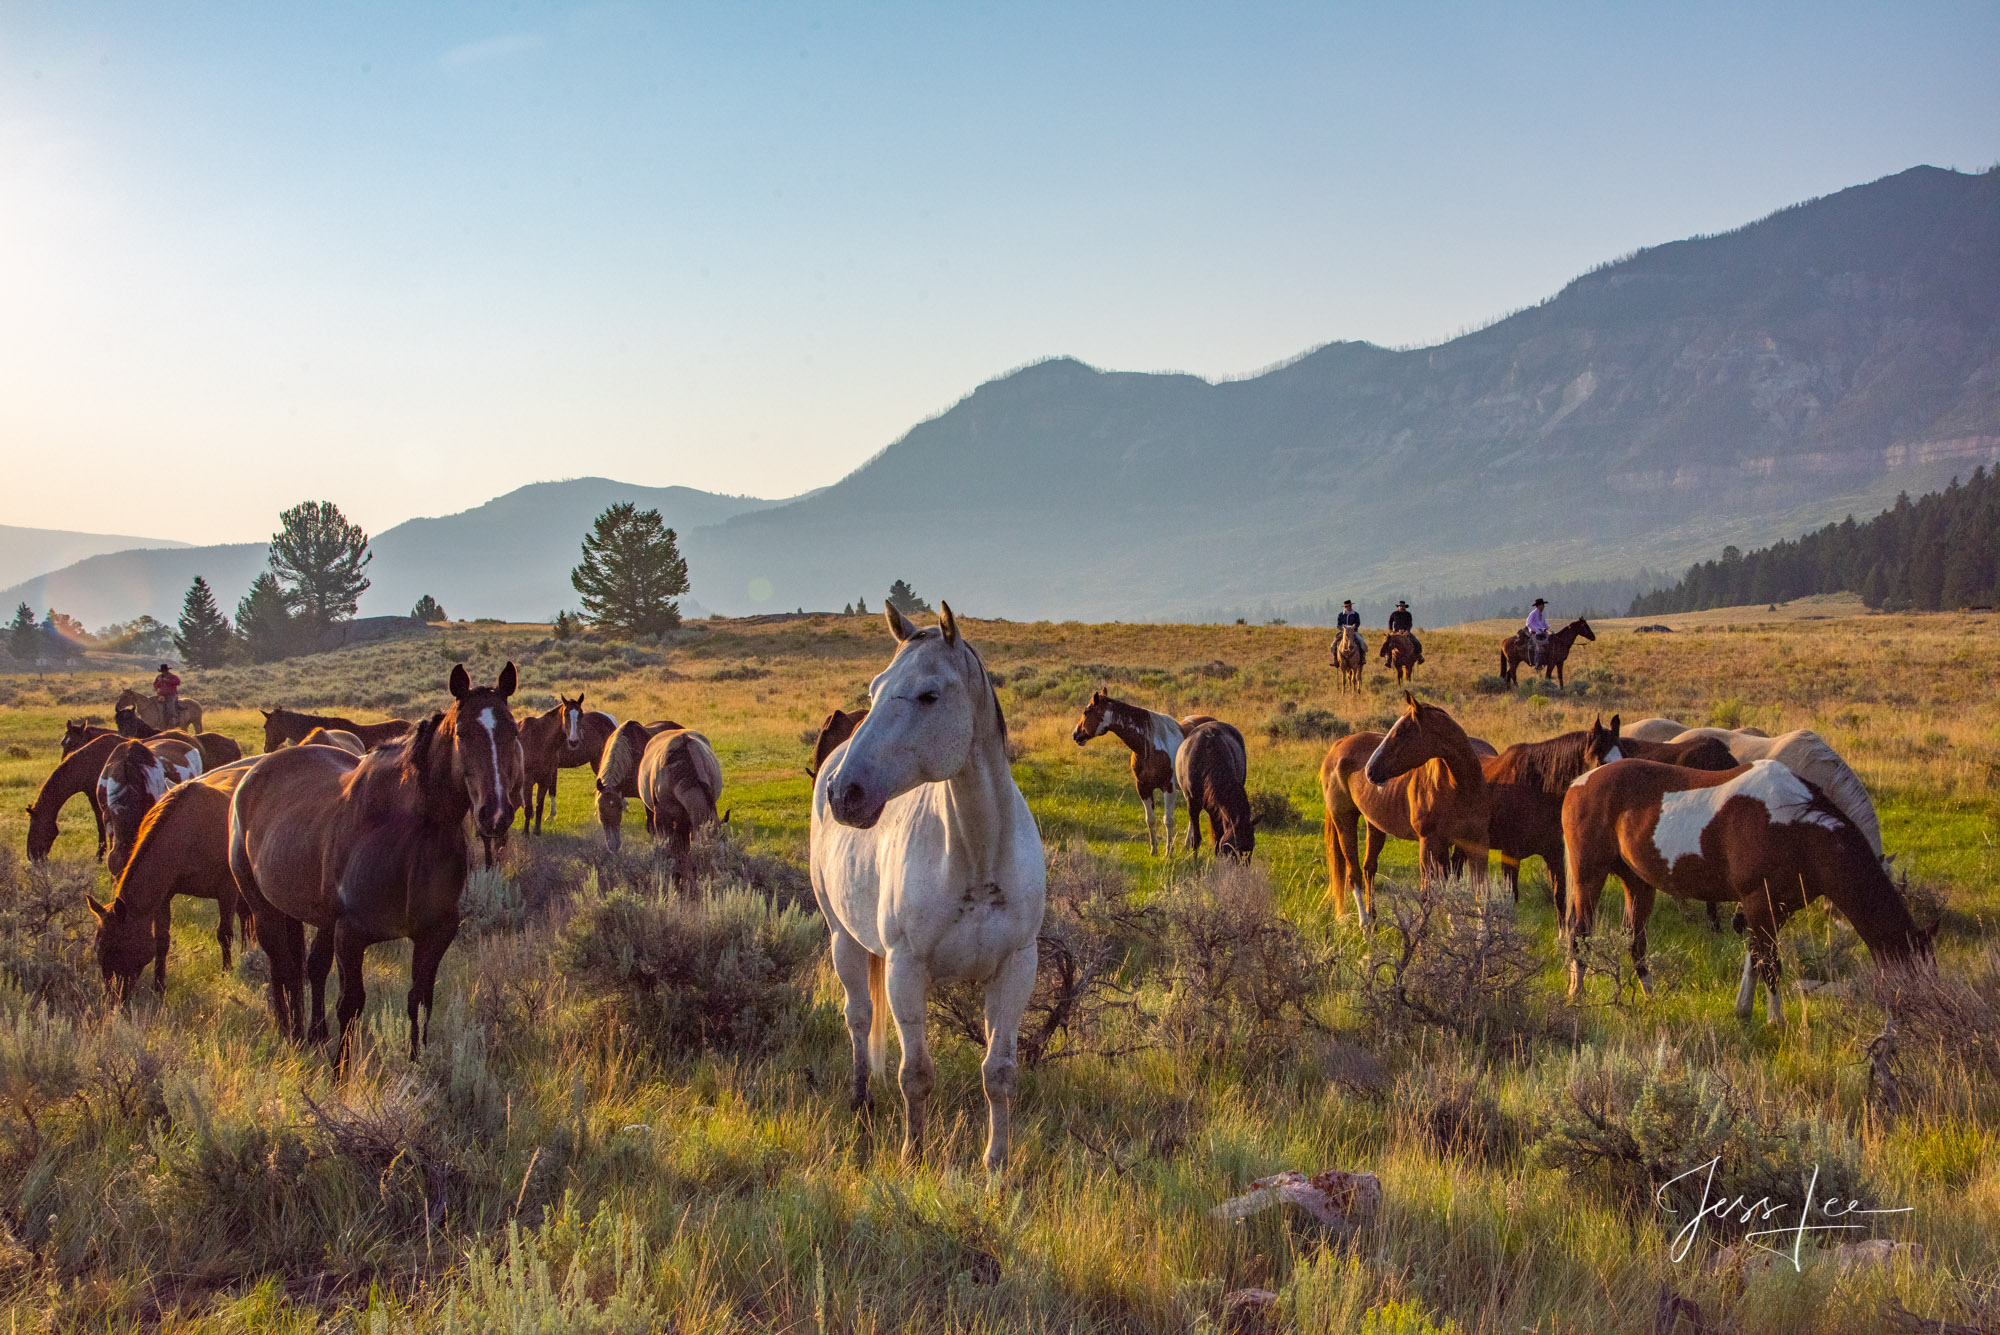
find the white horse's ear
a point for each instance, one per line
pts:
(947, 622)
(897, 626)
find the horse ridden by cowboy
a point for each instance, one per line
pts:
(1401, 622)
(1348, 620)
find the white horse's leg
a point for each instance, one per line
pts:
(1774, 1005)
(850, 961)
(1007, 996)
(1746, 992)
(1170, 821)
(1152, 842)
(909, 988)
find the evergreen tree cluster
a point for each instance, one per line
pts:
(1934, 554)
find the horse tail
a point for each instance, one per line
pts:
(878, 1023)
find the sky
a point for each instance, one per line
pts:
(409, 257)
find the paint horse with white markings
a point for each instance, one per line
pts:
(928, 865)
(1155, 740)
(137, 774)
(1757, 836)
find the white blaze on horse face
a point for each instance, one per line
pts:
(575, 717)
(1684, 815)
(1613, 754)
(489, 720)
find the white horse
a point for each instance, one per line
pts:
(1667, 729)
(929, 867)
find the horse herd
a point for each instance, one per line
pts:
(924, 855)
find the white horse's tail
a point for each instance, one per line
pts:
(878, 1024)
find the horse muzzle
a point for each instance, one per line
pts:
(852, 805)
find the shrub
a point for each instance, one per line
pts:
(1292, 723)
(1239, 976)
(1458, 962)
(1454, 1116)
(1646, 1129)
(1729, 713)
(1272, 810)
(47, 936)
(720, 971)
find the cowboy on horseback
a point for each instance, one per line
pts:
(1348, 622)
(168, 687)
(1401, 622)
(1537, 633)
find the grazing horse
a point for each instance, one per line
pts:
(1350, 658)
(1422, 780)
(835, 729)
(182, 849)
(1211, 768)
(1806, 754)
(346, 741)
(679, 784)
(1399, 651)
(1515, 650)
(1155, 740)
(618, 771)
(372, 847)
(284, 725)
(76, 773)
(133, 777)
(1757, 836)
(147, 709)
(929, 868)
(77, 731)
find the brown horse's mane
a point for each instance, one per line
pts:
(417, 759)
(1550, 766)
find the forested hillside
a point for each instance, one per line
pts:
(1940, 552)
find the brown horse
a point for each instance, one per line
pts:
(1399, 651)
(285, 725)
(1155, 740)
(182, 849)
(1423, 781)
(76, 773)
(618, 771)
(679, 784)
(373, 847)
(1515, 650)
(836, 728)
(1757, 836)
(1211, 768)
(77, 731)
(147, 709)
(136, 774)
(216, 748)
(1349, 658)
(565, 737)
(346, 741)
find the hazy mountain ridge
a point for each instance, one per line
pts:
(1735, 388)
(25, 552)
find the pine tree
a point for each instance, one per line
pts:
(564, 626)
(264, 622)
(861, 607)
(427, 609)
(24, 637)
(905, 600)
(203, 638)
(632, 572)
(318, 556)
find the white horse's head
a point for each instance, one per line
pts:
(927, 710)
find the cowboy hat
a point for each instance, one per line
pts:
(1401, 603)
(1541, 602)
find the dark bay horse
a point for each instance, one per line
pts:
(373, 847)
(1422, 780)
(618, 771)
(136, 774)
(1399, 651)
(1757, 836)
(77, 731)
(1211, 768)
(680, 782)
(836, 728)
(1155, 739)
(76, 773)
(286, 725)
(182, 849)
(1514, 651)
(565, 737)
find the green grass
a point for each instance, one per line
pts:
(167, 1169)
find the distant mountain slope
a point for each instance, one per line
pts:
(1696, 393)
(25, 552)
(510, 558)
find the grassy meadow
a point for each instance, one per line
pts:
(632, 1116)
